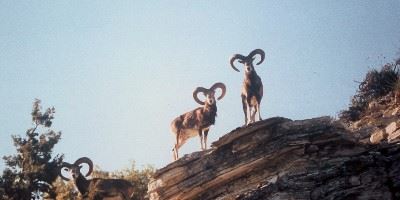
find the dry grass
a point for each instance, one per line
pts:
(376, 84)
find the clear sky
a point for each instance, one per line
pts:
(118, 72)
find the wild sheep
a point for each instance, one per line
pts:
(252, 89)
(96, 188)
(197, 121)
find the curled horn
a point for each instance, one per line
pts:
(196, 92)
(235, 57)
(259, 52)
(66, 165)
(223, 89)
(87, 161)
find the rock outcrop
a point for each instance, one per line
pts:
(279, 158)
(379, 122)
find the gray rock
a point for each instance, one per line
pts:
(282, 159)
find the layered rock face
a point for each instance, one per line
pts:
(283, 159)
(380, 121)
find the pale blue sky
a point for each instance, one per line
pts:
(118, 72)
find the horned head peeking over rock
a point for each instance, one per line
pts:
(96, 188)
(252, 89)
(199, 120)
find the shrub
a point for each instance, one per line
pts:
(375, 85)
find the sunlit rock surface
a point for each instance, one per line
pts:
(283, 159)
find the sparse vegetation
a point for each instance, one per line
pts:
(139, 179)
(65, 190)
(376, 84)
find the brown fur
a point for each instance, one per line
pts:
(96, 188)
(252, 93)
(102, 188)
(193, 123)
(199, 118)
(252, 88)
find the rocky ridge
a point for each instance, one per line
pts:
(279, 158)
(380, 121)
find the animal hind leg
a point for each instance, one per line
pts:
(176, 146)
(180, 141)
(175, 153)
(124, 197)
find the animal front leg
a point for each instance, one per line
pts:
(205, 138)
(201, 139)
(251, 109)
(244, 104)
(259, 112)
(252, 113)
(99, 195)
